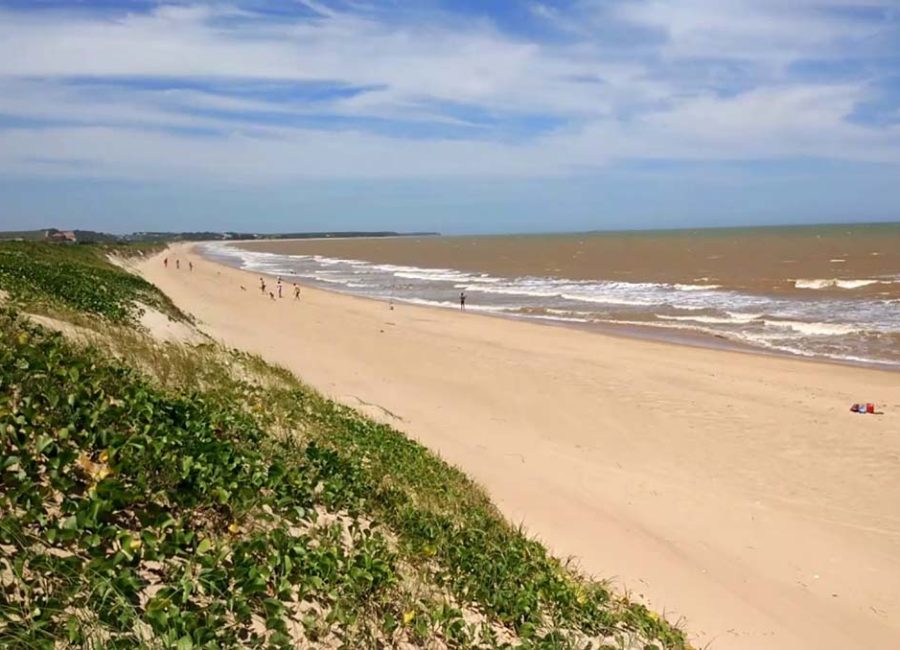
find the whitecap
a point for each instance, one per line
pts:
(822, 283)
(697, 287)
(560, 319)
(814, 328)
(732, 318)
(447, 304)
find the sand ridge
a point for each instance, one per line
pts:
(734, 490)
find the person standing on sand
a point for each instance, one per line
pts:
(262, 286)
(462, 300)
(177, 264)
(279, 287)
(190, 265)
(166, 262)
(296, 292)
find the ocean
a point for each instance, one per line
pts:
(830, 292)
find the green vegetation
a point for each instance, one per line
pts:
(94, 237)
(26, 235)
(194, 496)
(79, 279)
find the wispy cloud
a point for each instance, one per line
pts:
(322, 90)
(763, 31)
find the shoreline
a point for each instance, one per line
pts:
(670, 336)
(734, 490)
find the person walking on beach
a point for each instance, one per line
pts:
(296, 292)
(462, 300)
(166, 262)
(177, 264)
(262, 286)
(190, 266)
(279, 287)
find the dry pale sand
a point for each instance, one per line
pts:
(736, 491)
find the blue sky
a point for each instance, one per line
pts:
(466, 116)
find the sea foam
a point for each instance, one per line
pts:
(820, 283)
(837, 326)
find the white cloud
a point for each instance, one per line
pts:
(608, 100)
(270, 155)
(793, 121)
(766, 31)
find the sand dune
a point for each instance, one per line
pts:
(733, 490)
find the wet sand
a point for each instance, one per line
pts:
(733, 490)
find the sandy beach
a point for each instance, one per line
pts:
(733, 491)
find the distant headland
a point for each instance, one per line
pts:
(90, 236)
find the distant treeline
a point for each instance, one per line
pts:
(90, 236)
(203, 236)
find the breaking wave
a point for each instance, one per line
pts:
(834, 283)
(846, 325)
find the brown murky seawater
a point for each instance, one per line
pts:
(760, 260)
(827, 291)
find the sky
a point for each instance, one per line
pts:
(461, 116)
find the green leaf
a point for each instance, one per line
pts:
(42, 442)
